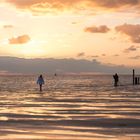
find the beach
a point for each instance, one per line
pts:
(70, 107)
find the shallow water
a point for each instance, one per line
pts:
(69, 108)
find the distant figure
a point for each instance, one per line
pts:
(40, 82)
(55, 74)
(116, 79)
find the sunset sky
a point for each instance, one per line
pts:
(105, 30)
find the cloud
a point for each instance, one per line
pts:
(116, 55)
(135, 57)
(94, 29)
(131, 49)
(103, 54)
(94, 56)
(19, 40)
(44, 6)
(132, 31)
(81, 54)
(19, 65)
(116, 3)
(8, 26)
(74, 22)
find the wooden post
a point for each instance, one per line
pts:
(133, 77)
(138, 80)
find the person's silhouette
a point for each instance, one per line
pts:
(40, 82)
(116, 79)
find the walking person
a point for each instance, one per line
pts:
(40, 82)
(116, 79)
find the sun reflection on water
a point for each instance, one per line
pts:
(70, 110)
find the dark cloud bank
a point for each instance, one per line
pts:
(50, 65)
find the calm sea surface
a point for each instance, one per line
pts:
(69, 108)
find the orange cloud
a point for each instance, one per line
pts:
(100, 29)
(132, 31)
(135, 57)
(19, 40)
(44, 6)
(116, 55)
(116, 3)
(131, 49)
(8, 26)
(81, 54)
(95, 56)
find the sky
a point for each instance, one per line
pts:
(107, 31)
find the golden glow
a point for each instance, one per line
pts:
(44, 29)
